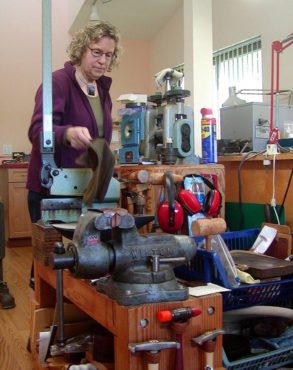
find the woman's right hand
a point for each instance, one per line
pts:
(78, 137)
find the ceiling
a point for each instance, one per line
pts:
(135, 19)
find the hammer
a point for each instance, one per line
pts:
(178, 318)
(151, 351)
(207, 227)
(207, 342)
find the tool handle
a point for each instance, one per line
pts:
(151, 360)
(142, 176)
(179, 363)
(207, 227)
(158, 178)
(209, 360)
(153, 366)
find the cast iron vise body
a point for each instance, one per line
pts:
(130, 267)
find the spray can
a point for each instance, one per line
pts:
(208, 136)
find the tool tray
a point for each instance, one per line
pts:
(206, 266)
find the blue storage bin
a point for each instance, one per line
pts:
(242, 239)
(206, 266)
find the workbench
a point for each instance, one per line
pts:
(257, 180)
(135, 323)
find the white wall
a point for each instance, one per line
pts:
(21, 61)
(167, 46)
(132, 74)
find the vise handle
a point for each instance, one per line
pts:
(153, 345)
(156, 259)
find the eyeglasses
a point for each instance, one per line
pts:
(97, 53)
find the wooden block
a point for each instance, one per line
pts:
(58, 363)
(99, 365)
(41, 320)
(44, 238)
(281, 247)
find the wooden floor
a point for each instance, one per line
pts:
(14, 322)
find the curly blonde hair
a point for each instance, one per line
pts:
(93, 32)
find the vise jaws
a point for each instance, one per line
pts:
(129, 267)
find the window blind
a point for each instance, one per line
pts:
(238, 65)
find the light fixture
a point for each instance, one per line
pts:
(94, 13)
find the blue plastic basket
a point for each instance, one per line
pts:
(266, 361)
(242, 239)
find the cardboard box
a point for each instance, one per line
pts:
(76, 322)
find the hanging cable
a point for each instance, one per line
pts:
(273, 200)
(281, 209)
(246, 157)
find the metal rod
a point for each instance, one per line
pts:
(288, 38)
(47, 74)
(60, 307)
(272, 90)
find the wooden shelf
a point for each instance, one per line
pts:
(259, 157)
(14, 196)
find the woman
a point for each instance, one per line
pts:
(81, 104)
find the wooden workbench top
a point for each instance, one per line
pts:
(259, 157)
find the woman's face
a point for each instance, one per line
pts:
(97, 58)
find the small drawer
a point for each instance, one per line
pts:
(17, 175)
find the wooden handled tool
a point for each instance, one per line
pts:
(179, 319)
(207, 342)
(207, 227)
(141, 176)
(159, 178)
(151, 351)
(146, 177)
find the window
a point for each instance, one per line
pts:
(239, 65)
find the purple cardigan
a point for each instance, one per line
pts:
(70, 108)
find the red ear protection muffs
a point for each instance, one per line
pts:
(212, 203)
(191, 204)
(170, 212)
(189, 201)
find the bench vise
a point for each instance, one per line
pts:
(130, 267)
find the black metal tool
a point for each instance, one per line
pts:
(134, 268)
